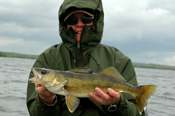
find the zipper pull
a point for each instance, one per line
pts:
(74, 60)
(78, 44)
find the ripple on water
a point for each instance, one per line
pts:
(2, 109)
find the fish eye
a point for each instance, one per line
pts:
(43, 71)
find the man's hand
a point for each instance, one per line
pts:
(45, 95)
(104, 98)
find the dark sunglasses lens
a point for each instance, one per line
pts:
(87, 20)
(72, 21)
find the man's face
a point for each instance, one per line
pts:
(78, 27)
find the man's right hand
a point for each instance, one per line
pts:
(45, 95)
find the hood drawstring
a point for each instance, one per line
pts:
(94, 59)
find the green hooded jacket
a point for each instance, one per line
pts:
(66, 56)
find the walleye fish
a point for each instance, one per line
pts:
(80, 81)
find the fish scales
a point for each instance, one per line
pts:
(87, 82)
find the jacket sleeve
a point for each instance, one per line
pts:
(128, 105)
(35, 106)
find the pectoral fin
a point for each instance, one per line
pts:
(72, 103)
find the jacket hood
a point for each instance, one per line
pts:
(91, 35)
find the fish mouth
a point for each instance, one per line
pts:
(36, 73)
(32, 80)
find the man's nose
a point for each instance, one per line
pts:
(79, 23)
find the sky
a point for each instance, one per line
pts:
(144, 30)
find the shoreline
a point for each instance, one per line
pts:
(139, 65)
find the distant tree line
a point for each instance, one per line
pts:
(17, 55)
(155, 66)
(2, 54)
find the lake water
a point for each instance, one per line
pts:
(14, 76)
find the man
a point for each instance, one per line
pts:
(81, 27)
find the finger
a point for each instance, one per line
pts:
(96, 98)
(113, 93)
(102, 94)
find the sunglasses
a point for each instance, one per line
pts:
(84, 19)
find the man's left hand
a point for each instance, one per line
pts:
(104, 98)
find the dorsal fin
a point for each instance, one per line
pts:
(82, 70)
(113, 72)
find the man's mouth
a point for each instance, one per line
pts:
(78, 32)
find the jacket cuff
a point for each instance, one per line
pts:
(111, 108)
(122, 102)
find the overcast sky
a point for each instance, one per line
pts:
(143, 30)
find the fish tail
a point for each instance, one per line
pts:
(145, 92)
